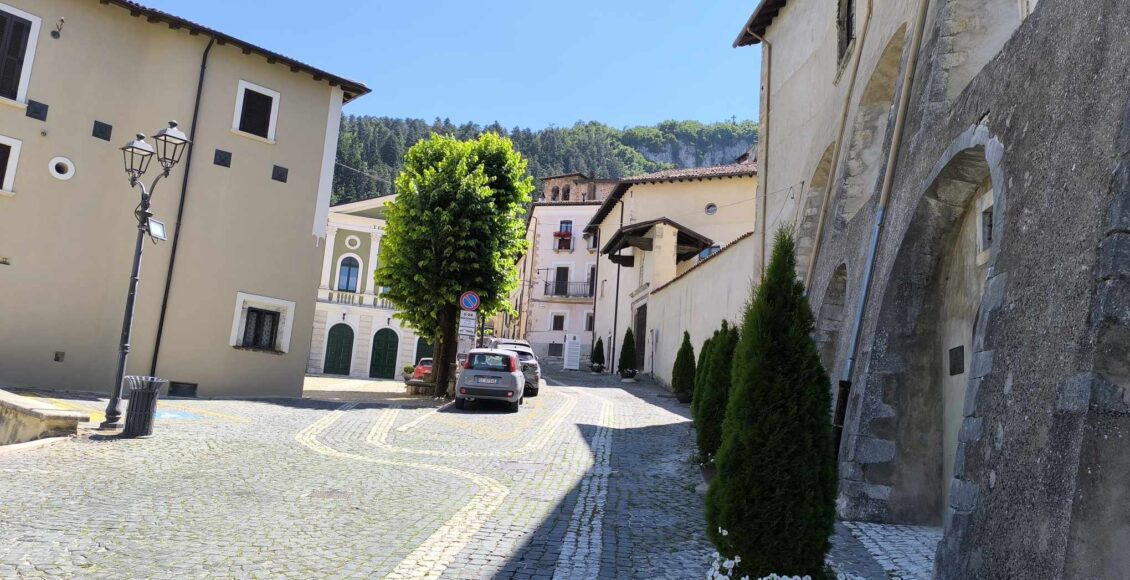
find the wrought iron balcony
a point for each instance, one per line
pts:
(567, 289)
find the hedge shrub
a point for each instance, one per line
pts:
(627, 358)
(775, 487)
(682, 374)
(598, 352)
(714, 392)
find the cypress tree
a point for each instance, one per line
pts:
(682, 374)
(699, 370)
(598, 352)
(627, 352)
(714, 394)
(775, 488)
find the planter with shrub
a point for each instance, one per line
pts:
(682, 375)
(598, 356)
(627, 361)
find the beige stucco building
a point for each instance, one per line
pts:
(355, 333)
(246, 210)
(657, 234)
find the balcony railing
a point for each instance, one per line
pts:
(354, 298)
(566, 289)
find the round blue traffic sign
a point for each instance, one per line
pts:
(469, 301)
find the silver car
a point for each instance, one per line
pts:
(530, 367)
(491, 374)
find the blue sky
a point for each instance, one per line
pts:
(530, 63)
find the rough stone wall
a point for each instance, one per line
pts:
(1042, 460)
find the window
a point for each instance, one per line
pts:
(591, 239)
(19, 32)
(347, 274)
(262, 322)
(491, 362)
(555, 349)
(845, 22)
(588, 322)
(558, 322)
(564, 235)
(709, 252)
(256, 111)
(261, 329)
(592, 280)
(9, 155)
(565, 194)
(711, 208)
(556, 193)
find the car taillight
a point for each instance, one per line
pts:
(462, 391)
(467, 362)
(513, 363)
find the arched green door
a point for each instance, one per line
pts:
(423, 349)
(383, 363)
(339, 350)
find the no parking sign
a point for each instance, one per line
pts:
(469, 301)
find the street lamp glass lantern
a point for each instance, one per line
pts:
(171, 143)
(137, 155)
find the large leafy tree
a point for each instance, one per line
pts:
(775, 487)
(455, 226)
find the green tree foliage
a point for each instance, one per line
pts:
(598, 352)
(371, 149)
(456, 225)
(682, 374)
(703, 355)
(775, 487)
(627, 360)
(712, 393)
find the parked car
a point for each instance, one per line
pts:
(501, 342)
(491, 374)
(423, 367)
(531, 368)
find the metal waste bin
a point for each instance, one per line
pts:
(143, 394)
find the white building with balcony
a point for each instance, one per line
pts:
(355, 333)
(558, 272)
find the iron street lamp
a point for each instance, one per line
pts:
(170, 145)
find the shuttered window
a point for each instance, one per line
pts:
(5, 154)
(14, 35)
(262, 327)
(256, 116)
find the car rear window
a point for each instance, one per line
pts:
(489, 362)
(427, 362)
(524, 356)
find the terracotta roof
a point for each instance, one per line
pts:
(762, 16)
(561, 203)
(352, 89)
(708, 258)
(746, 169)
(566, 175)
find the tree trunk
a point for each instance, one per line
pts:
(447, 346)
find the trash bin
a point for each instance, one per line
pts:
(143, 393)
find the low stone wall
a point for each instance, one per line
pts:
(23, 419)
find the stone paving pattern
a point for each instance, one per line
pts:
(592, 479)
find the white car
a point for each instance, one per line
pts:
(491, 374)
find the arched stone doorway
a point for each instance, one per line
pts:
(424, 349)
(382, 365)
(929, 332)
(339, 350)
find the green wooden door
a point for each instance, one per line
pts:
(339, 350)
(423, 349)
(383, 363)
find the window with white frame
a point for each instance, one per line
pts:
(348, 273)
(262, 322)
(19, 33)
(256, 110)
(588, 322)
(558, 322)
(9, 156)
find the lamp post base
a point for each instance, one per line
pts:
(110, 425)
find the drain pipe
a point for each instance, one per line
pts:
(616, 304)
(180, 209)
(763, 181)
(888, 182)
(825, 203)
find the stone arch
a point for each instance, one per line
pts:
(831, 320)
(928, 344)
(865, 153)
(972, 33)
(810, 210)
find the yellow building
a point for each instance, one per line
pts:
(652, 231)
(227, 301)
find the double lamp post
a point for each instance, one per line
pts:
(170, 145)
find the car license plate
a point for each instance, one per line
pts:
(488, 380)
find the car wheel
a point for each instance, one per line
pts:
(514, 406)
(460, 403)
(534, 392)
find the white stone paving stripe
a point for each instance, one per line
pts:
(416, 422)
(581, 547)
(439, 550)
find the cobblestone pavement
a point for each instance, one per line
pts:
(592, 479)
(904, 552)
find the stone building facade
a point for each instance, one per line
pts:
(958, 172)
